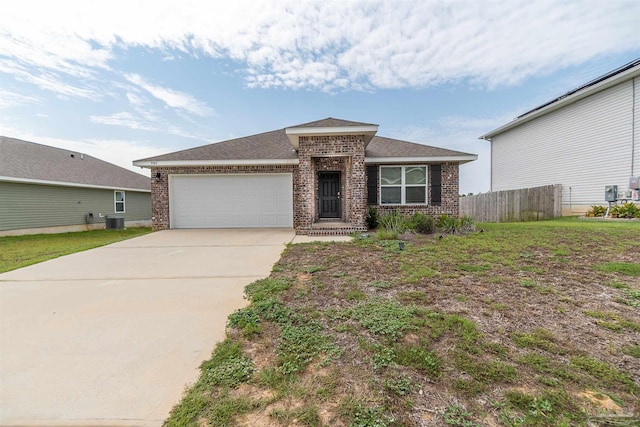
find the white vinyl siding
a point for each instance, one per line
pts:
(583, 146)
(231, 201)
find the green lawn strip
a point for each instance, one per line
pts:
(21, 251)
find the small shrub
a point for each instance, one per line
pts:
(423, 223)
(627, 210)
(373, 219)
(448, 224)
(467, 224)
(395, 222)
(596, 211)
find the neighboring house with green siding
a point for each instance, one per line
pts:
(48, 190)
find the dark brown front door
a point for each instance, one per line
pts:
(329, 187)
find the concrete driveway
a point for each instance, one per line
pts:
(112, 336)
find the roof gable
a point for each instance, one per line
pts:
(331, 122)
(330, 127)
(31, 162)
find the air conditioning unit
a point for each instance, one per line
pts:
(114, 223)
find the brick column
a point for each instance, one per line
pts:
(159, 200)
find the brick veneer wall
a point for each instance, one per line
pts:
(160, 190)
(450, 198)
(313, 154)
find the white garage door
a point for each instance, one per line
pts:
(231, 201)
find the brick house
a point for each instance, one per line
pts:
(318, 178)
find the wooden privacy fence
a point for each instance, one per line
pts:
(526, 204)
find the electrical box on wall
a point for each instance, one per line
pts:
(634, 183)
(610, 193)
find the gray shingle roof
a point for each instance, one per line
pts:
(268, 145)
(275, 145)
(389, 147)
(31, 161)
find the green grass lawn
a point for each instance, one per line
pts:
(523, 324)
(20, 251)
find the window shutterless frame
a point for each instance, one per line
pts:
(119, 202)
(403, 185)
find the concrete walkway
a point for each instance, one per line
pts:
(112, 336)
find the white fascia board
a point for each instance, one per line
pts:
(605, 84)
(440, 159)
(187, 163)
(329, 130)
(68, 184)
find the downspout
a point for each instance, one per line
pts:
(490, 165)
(633, 123)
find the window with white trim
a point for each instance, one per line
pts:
(403, 185)
(118, 198)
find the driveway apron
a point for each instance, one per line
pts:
(113, 335)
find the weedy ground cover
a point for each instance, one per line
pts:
(520, 324)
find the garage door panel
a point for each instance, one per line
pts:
(226, 201)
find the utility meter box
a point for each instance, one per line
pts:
(610, 193)
(634, 183)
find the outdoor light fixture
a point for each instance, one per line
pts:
(158, 177)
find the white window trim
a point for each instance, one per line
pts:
(404, 186)
(115, 201)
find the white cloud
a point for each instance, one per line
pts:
(123, 119)
(172, 98)
(326, 44)
(11, 99)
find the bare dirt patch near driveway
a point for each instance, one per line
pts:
(111, 336)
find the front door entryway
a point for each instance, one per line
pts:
(329, 189)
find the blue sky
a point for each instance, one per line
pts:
(124, 80)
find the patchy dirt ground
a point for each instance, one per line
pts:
(511, 325)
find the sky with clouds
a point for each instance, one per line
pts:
(124, 80)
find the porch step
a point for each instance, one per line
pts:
(333, 229)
